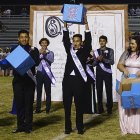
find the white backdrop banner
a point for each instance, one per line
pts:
(49, 24)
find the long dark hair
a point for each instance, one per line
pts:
(137, 39)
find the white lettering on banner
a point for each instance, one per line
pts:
(58, 66)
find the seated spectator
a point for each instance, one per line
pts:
(7, 12)
(24, 12)
(136, 34)
(132, 11)
(1, 74)
(3, 28)
(1, 25)
(0, 12)
(5, 68)
(1, 53)
(138, 11)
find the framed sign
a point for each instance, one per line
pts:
(108, 20)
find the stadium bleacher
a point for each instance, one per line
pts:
(13, 24)
(16, 22)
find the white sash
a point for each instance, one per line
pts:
(78, 64)
(101, 64)
(92, 75)
(48, 71)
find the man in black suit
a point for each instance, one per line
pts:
(75, 76)
(104, 60)
(24, 87)
(90, 105)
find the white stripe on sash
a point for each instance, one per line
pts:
(101, 64)
(48, 71)
(93, 111)
(89, 71)
(78, 64)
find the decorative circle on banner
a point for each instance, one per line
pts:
(53, 26)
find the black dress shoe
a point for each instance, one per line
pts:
(81, 132)
(100, 111)
(37, 112)
(28, 131)
(109, 112)
(68, 131)
(47, 111)
(17, 131)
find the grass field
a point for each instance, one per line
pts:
(50, 126)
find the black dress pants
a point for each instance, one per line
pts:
(24, 96)
(73, 87)
(101, 77)
(90, 97)
(42, 78)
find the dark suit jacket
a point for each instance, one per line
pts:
(82, 54)
(108, 60)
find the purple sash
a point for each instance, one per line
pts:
(91, 74)
(101, 64)
(48, 71)
(78, 64)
